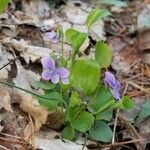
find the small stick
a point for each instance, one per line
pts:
(11, 141)
(115, 125)
(4, 147)
(116, 118)
(122, 143)
(12, 136)
(137, 86)
(11, 61)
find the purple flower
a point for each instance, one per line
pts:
(53, 36)
(113, 83)
(50, 72)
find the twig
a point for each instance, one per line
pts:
(131, 129)
(122, 143)
(11, 141)
(115, 125)
(11, 61)
(116, 118)
(12, 136)
(139, 87)
(4, 148)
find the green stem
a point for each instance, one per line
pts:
(62, 50)
(37, 95)
(73, 58)
(105, 107)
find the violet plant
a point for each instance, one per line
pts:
(84, 87)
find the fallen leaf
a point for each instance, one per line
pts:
(29, 52)
(74, 14)
(30, 105)
(25, 78)
(57, 144)
(5, 58)
(5, 100)
(144, 132)
(97, 31)
(146, 58)
(143, 19)
(144, 40)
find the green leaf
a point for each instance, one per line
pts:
(75, 38)
(44, 86)
(80, 119)
(103, 54)
(117, 3)
(125, 103)
(106, 115)
(54, 99)
(68, 132)
(145, 112)
(95, 15)
(3, 5)
(100, 131)
(102, 101)
(85, 76)
(75, 99)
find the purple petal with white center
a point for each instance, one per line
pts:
(48, 63)
(110, 79)
(46, 74)
(65, 81)
(54, 78)
(63, 72)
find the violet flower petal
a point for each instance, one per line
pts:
(51, 34)
(63, 72)
(65, 81)
(46, 74)
(116, 95)
(110, 79)
(54, 78)
(117, 86)
(48, 63)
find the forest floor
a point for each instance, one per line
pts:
(23, 42)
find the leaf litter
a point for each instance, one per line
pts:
(22, 117)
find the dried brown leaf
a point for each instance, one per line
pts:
(5, 100)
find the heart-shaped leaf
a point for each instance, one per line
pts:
(145, 112)
(102, 101)
(85, 76)
(75, 38)
(95, 15)
(80, 119)
(125, 103)
(103, 54)
(68, 132)
(100, 131)
(3, 5)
